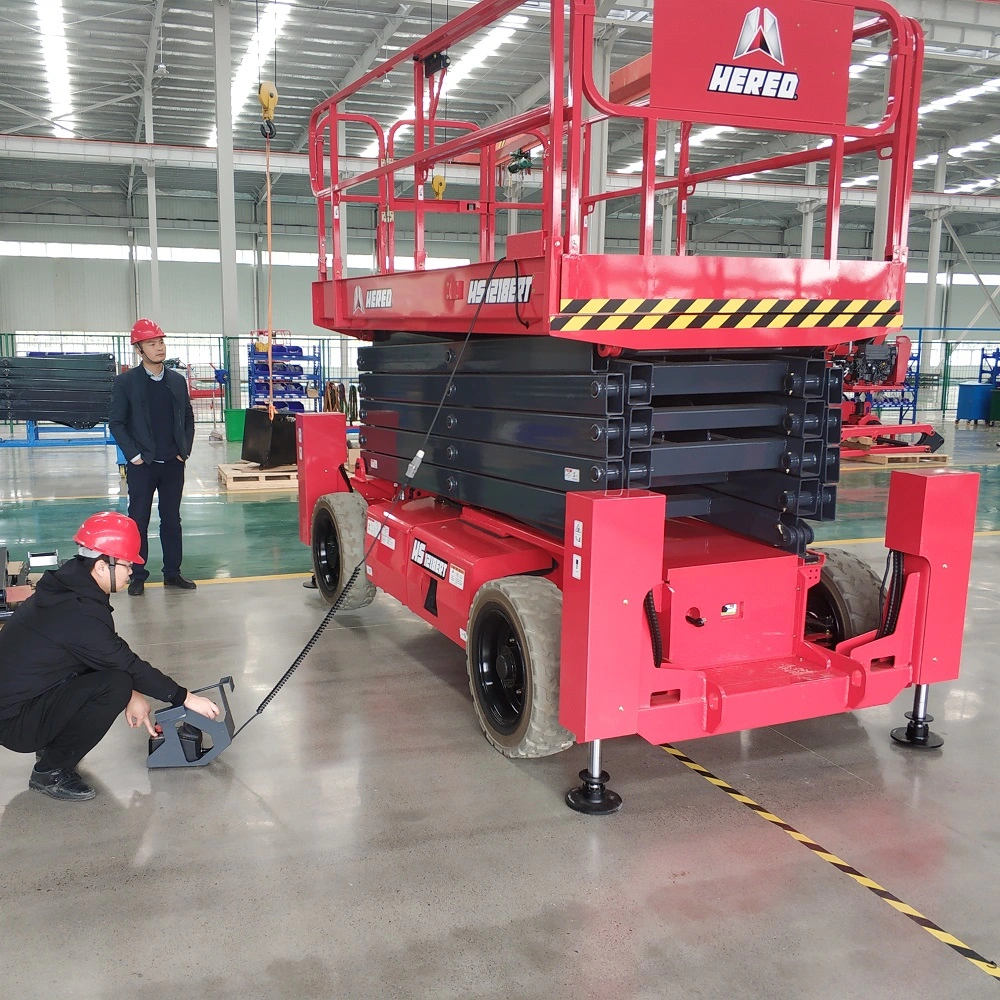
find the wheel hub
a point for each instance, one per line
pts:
(501, 670)
(506, 668)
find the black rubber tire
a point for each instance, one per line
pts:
(850, 591)
(533, 608)
(338, 545)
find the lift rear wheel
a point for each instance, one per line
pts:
(845, 603)
(515, 628)
(338, 545)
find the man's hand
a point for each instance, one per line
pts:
(137, 460)
(180, 458)
(203, 706)
(137, 713)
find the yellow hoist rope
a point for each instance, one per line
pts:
(270, 320)
(267, 94)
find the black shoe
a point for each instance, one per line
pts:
(136, 588)
(63, 783)
(181, 582)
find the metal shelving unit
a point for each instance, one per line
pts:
(295, 373)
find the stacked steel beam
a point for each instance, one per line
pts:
(749, 442)
(70, 389)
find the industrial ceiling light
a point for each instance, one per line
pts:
(161, 67)
(53, 33)
(272, 20)
(458, 71)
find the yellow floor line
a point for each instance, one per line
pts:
(959, 947)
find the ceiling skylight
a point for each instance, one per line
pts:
(53, 32)
(260, 49)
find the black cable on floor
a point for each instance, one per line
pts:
(411, 472)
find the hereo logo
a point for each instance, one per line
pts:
(760, 34)
(500, 290)
(373, 298)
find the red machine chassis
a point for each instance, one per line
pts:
(749, 663)
(728, 613)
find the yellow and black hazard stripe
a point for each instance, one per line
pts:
(724, 314)
(969, 954)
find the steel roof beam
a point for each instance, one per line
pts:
(147, 80)
(251, 161)
(361, 66)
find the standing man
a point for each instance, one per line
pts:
(65, 674)
(153, 424)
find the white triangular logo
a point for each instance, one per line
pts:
(359, 300)
(760, 34)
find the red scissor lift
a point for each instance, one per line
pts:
(618, 463)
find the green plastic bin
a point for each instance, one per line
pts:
(235, 424)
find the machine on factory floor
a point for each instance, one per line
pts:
(877, 374)
(596, 472)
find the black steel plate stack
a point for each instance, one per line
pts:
(70, 389)
(750, 442)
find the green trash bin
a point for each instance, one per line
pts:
(995, 406)
(235, 423)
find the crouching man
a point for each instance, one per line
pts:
(65, 674)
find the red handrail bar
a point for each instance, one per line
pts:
(893, 137)
(903, 32)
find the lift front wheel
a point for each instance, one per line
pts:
(845, 603)
(338, 545)
(514, 632)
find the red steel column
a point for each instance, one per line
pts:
(614, 557)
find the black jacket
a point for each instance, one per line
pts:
(63, 630)
(129, 422)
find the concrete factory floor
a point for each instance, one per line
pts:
(362, 840)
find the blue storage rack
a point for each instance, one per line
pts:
(294, 372)
(989, 367)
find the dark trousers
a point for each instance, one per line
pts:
(166, 479)
(67, 722)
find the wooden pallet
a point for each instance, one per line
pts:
(888, 459)
(250, 476)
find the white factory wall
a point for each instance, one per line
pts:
(67, 294)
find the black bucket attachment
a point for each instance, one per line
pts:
(267, 442)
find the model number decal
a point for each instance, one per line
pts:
(499, 290)
(430, 562)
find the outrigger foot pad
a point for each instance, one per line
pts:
(917, 734)
(592, 797)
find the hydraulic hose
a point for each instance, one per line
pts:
(654, 629)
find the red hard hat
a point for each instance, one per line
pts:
(111, 534)
(145, 329)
